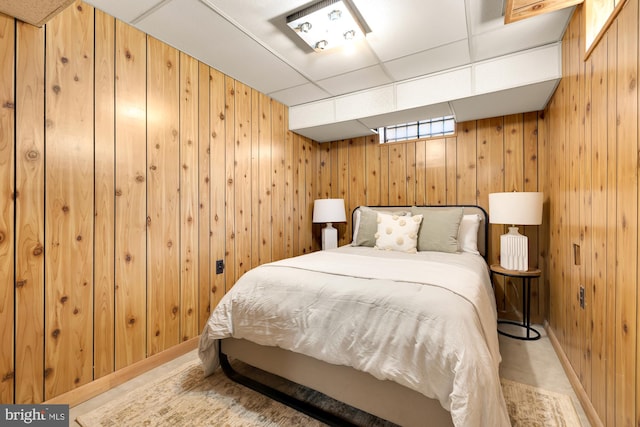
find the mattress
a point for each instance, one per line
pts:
(426, 321)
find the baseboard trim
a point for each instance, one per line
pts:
(85, 392)
(589, 410)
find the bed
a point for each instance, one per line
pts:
(401, 323)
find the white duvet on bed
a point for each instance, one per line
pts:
(426, 321)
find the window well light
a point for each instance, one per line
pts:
(326, 24)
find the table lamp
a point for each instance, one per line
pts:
(515, 208)
(329, 211)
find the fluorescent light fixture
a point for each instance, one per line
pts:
(326, 25)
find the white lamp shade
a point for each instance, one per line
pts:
(516, 208)
(329, 210)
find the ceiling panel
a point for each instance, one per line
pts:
(126, 10)
(356, 80)
(537, 31)
(430, 61)
(215, 41)
(336, 131)
(300, 94)
(521, 100)
(406, 116)
(411, 42)
(396, 32)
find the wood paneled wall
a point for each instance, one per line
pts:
(126, 169)
(485, 156)
(594, 205)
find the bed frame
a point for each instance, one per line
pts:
(384, 399)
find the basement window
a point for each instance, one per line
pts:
(439, 126)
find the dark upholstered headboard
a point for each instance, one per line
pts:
(483, 229)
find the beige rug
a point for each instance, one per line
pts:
(185, 398)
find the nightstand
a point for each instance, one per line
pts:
(525, 277)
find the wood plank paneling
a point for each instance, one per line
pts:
(265, 183)
(597, 67)
(410, 179)
(255, 244)
(594, 196)
(30, 179)
(131, 200)
(466, 150)
(394, 174)
(612, 217)
(104, 223)
(627, 242)
(372, 176)
(229, 116)
(311, 170)
(69, 203)
(7, 205)
(145, 190)
(242, 178)
(435, 172)
(278, 165)
(531, 176)
(189, 152)
(218, 174)
(421, 172)
(398, 174)
(290, 230)
(205, 261)
(163, 181)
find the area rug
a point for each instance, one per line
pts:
(185, 398)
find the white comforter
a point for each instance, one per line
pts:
(426, 321)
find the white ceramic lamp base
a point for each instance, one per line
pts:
(329, 237)
(514, 250)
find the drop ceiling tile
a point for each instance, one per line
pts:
(266, 21)
(522, 99)
(299, 94)
(402, 28)
(365, 103)
(355, 80)
(336, 131)
(429, 61)
(485, 15)
(521, 35)
(406, 116)
(125, 10)
(206, 39)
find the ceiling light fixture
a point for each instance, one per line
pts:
(326, 24)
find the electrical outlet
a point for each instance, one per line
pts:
(581, 297)
(219, 266)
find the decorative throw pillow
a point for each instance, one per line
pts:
(397, 233)
(439, 229)
(468, 234)
(366, 226)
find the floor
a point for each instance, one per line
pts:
(535, 363)
(530, 362)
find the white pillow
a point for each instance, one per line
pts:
(468, 234)
(398, 233)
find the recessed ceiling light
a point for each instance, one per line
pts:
(326, 25)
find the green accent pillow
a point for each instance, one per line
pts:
(439, 228)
